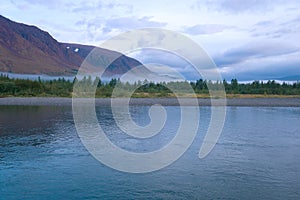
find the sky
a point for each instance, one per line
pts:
(247, 39)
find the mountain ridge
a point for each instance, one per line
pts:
(26, 49)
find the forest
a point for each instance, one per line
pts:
(64, 88)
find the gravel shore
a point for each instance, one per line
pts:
(57, 101)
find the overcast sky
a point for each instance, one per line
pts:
(247, 39)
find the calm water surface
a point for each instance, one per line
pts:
(256, 157)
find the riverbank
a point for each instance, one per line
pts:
(59, 101)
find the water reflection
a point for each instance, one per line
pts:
(28, 119)
(141, 117)
(257, 157)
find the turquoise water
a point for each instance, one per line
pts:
(256, 157)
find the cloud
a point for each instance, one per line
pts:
(255, 49)
(206, 29)
(99, 29)
(273, 29)
(240, 6)
(259, 60)
(127, 23)
(51, 4)
(256, 60)
(88, 7)
(264, 68)
(161, 58)
(121, 23)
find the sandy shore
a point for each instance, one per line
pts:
(56, 101)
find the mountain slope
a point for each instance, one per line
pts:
(27, 49)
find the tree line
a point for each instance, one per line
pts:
(64, 88)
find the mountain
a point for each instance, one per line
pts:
(26, 49)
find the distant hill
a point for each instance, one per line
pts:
(26, 49)
(290, 78)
